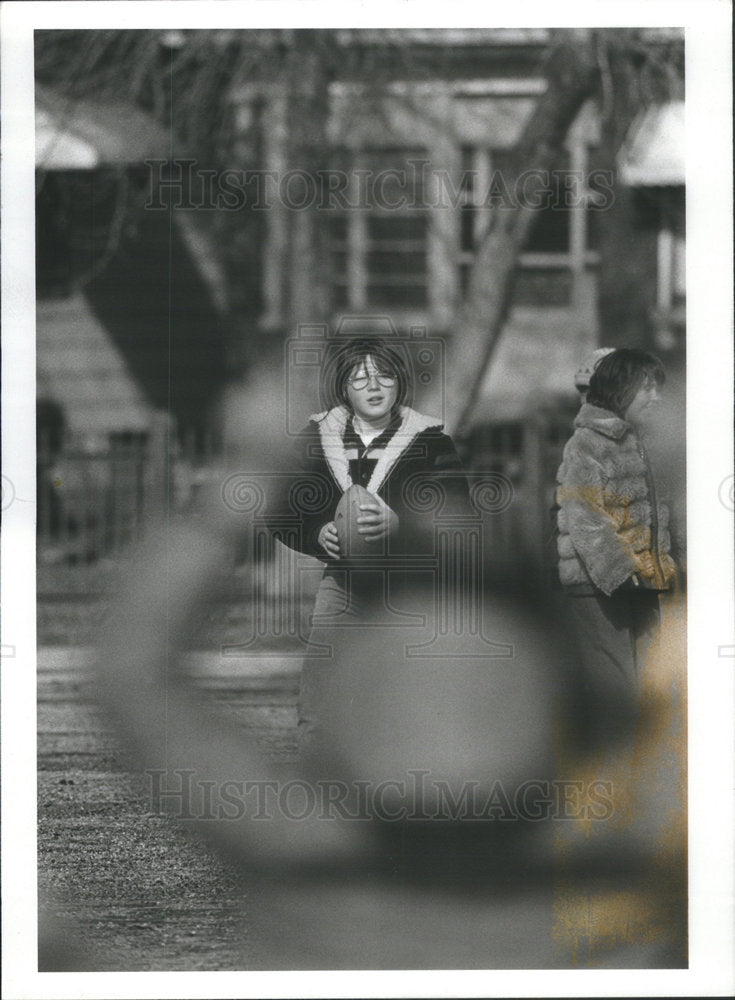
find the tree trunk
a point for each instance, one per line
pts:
(628, 239)
(572, 74)
(309, 69)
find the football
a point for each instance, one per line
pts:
(351, 542)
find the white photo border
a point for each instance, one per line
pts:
(709, 463)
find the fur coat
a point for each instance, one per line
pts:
(612, 524)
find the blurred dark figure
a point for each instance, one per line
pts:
(53, 522)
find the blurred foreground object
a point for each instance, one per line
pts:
(444, 819)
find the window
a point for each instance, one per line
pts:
(557, 250)
(378, 241)
(474, 201)
(670, 289)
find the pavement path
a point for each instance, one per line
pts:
(124, 888)
(120, 886)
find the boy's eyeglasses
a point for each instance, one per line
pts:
(361, 381)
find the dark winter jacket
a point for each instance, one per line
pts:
(418, 475)
(613, 527)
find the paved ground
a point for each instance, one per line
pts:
(122, 887)
(125, 889)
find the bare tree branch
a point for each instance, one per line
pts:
(572, 74)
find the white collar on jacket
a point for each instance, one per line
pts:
(332, 425)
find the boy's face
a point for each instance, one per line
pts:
(371, 391)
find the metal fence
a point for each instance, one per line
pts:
(524, 455)
(92, 502)
(92, 505)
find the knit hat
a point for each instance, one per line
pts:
(583, 374)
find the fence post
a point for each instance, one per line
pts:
(160, 499)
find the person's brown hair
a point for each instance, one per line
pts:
(618, 377)
(352, 355)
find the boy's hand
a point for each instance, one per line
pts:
(377, 520)
(329, 540)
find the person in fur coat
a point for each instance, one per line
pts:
(613, 529)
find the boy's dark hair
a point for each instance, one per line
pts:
(618, 377)
(354, 353)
